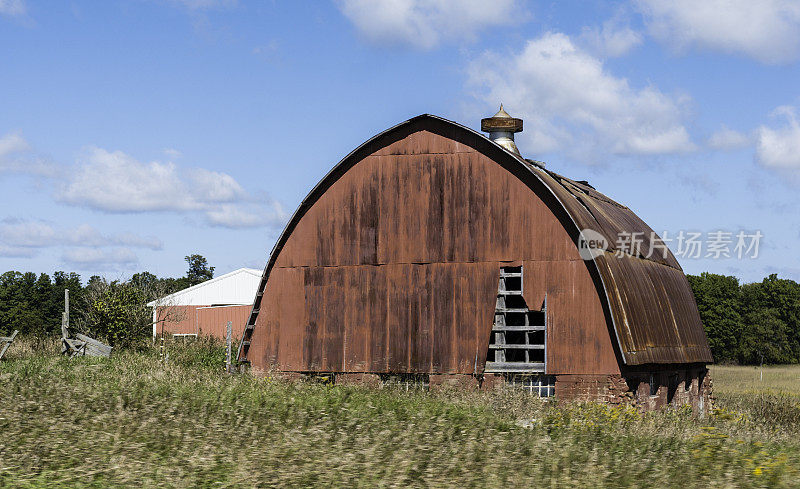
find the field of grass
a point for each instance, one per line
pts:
(131, 421)
(773, 399)
(781, 379)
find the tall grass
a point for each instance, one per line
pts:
(770, 398)
(134, 421)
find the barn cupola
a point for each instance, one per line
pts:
(501, 128)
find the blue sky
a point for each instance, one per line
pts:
(133, 133)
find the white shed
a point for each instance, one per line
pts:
(205, 308)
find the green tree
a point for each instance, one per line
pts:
(116, 312)
(199, 271)
(143, 280)
(20, 303)
(771, 321)
(718, 299)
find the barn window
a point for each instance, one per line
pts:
(406, 382)
(519, 335)
(536, 384)
(653, 385)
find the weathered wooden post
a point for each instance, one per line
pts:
(66, 307)
(5, 342)
(228, 333)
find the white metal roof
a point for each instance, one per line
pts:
(236, 287)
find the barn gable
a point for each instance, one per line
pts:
(352, 248)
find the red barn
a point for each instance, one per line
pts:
(434, 254)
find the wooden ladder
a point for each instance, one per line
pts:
(518, 339)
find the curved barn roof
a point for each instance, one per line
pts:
(646, 295)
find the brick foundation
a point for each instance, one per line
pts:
(463, 382)
(367, 380)
(671, 387)
(492, 382)
(691, 386)
(603, 388)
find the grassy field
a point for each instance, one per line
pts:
(130, 421)
(782, 379)
(773, 400)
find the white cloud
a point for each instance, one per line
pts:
(570, 102)
(244, 216)
(16, 252)
(12, 7)
(17, 156)
(103, 258)
(426, 23)
(727, 139)
(612, 40)
(779, 147)
(766, 30)
(86, 235)
(212, 186)
(116, 182)
(27, 234)
(172, 153)
(11, 144)
(18, 233)
(83, 246)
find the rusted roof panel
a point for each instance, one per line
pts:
(592, 210)
(654, 312)
(656, 318)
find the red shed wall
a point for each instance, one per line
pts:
(395, 268)
(203, 320)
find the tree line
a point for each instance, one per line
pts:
(745, 323)
(113, 311)
(749, 323)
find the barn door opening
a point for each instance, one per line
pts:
(519, 335)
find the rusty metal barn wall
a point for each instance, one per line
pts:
(579, 340)
(395, 268)
(213, 321)
(397, 317)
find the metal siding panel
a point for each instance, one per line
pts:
(376, 336)
(420, 325)
(179, 319)
(578, 339)
(292, 318)
(357, 324)
(398, 317)
(213, 321)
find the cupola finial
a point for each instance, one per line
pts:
(501, 128)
